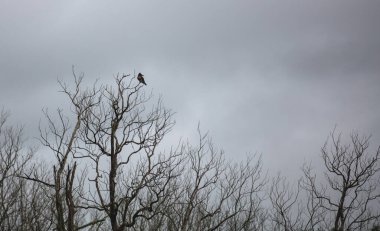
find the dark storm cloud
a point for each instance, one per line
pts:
(267, 76)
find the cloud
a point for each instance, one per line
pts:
(267, 76)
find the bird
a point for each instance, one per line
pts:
(140, 78)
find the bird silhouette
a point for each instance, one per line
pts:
(140, 78)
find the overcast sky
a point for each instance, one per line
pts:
(272, 77)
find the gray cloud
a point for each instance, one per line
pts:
(268, 76)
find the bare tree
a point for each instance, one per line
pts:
(34, 206)
(10, 148)
(313, 215)
(120, 138)
(106, 172)
(286, 210)
(16, 195)
(212, 194)
(60, 137)
(351, 195)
